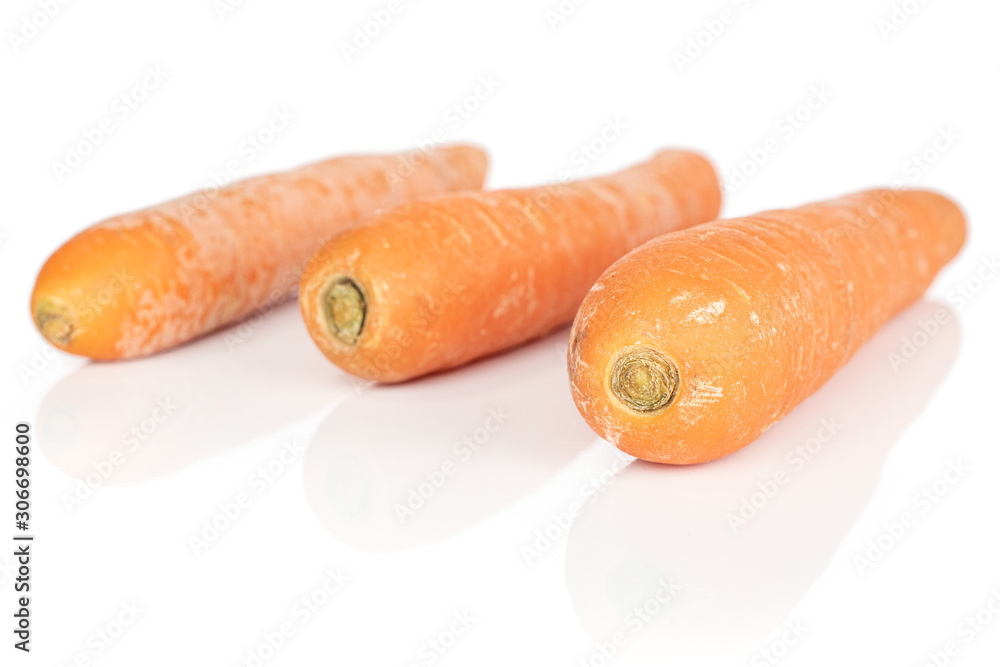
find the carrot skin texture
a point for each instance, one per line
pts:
(146, 281)
(756, 314)
(450, 279)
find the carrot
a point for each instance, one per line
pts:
(145, 281)
(691, 346)
(434, 284)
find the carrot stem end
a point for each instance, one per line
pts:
(55, 324)
(645, 380)
(344, 309)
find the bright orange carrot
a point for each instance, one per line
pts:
(142, 282)
(437, 283)
(691, 346)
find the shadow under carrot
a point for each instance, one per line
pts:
(406, 465)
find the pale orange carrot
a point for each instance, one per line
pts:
(692, 345)
(437, 283)
(142, 282)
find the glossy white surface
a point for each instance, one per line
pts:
(322, 464)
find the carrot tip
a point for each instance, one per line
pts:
(344, 308)
(645, 380)
(55, 323)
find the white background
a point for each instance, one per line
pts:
(235, 398)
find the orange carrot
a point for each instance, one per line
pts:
(437, 283)
(691, 346)
(142, 282)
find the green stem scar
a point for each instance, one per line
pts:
(55, 323)
(645, 380)
(344, 308)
